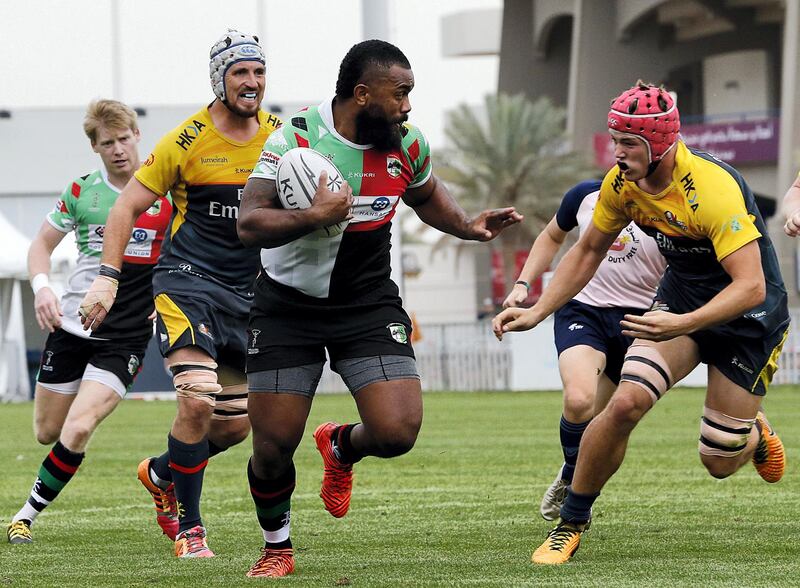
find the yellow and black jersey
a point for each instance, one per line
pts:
(205, 172)
(705, 214)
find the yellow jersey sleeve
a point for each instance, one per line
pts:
(160, 171)
(609, 212)
(724, 217)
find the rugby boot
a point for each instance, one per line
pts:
(560, 545)
(554, 498)
(337, 478)
(273, 563)
(192, 543)
(19, 532)
(769, 456)
(165, 502)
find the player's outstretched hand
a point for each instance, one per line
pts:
(656, 325)
(518, 295)
(48, 309)
(331, 207)
(513, 319)
(490, 223)
(792, 226)
(97, 302)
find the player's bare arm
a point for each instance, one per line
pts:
(746, 291)
(134, 199)
(572, 274)
(436, 207)
(45, 302)
(264, 223)
(791, 209)
(542, 253)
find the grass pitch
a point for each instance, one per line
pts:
(460, 510)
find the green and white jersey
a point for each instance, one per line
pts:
(335, 268)
(83, 209)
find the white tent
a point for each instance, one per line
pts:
(14, 383)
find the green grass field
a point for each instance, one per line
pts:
(460, 509)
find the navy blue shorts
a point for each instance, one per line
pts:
(746, 349)
(192, 322)
(577, 323)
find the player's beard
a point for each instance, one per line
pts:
(240, 111)
(372, 127)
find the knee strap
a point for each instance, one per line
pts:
(196, 379)
(646, 367)
(722, 435)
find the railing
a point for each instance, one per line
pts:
(462, 357)
(467, 358)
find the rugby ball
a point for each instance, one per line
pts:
(297, 178)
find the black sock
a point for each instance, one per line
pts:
(160, 467)
(577, 508)
(160, 464)
(273, 505)
(188, 463)
(342, 448)
(571, 434)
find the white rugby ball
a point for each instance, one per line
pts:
(297, 178)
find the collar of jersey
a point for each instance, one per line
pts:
(104, 175)
(326, 114)
(206, 116)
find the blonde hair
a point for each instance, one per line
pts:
(108, 113)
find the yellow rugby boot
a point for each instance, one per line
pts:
(560, 545)
(19, 532)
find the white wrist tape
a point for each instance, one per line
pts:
(38, 282)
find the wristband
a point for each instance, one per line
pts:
(38, 282)
(110, 271)
(523, 283)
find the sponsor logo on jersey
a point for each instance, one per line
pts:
(150, 160)
(133, 364)
(393, 166)
(398, 332)
(189, 134)
(380, 203)
(352, 174)
(216, 160)
(269, 158)
(186, 268)
(673, 220)
(667, 244)
(690, 191)
(618, 182)
(575, 326)
(139, 235)
(734, 224)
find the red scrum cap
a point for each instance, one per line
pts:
(649, 113)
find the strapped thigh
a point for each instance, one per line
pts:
(231, 403)
(646, 367)
(196, 379)
(722, 435)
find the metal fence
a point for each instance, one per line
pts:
(458, 357)
(467, 358)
